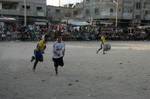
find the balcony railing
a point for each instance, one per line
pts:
(21, 13)
(10, 12)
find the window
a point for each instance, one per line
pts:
(146, 4)
(68, 15)
(96, 11)
(57, 11)
(28, 7)
(39, 8)
(138, 5)
(137, 16)
(119, 10)
(9, 5)
(147, 12)
(111, 10)
(75, 13)
(128, 10)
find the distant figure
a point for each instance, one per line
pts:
(3, 36)
(38, 52)
(58, 53)
(103, 41)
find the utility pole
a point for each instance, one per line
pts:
(0, 6)
(117, 6)
(25, 13)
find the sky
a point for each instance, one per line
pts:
(56, 2)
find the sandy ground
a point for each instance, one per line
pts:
(123, 73)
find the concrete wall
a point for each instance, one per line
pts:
(64, 13)
(32, 11)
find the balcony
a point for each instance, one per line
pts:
(147, 7)
(10, 12)
(106, 14)
(21, 13)
(127, 16)
(147, 17)
(33, 13)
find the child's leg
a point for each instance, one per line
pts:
(100, 48)
(56, 70)
(104, 52)
(55, 65)
(33, 57)
(61, 62)
(35, 64)
(103, 49)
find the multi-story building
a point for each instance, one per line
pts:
(130, 11)
(136, 10)
(35, 9)
(146, 10)
(100, 9)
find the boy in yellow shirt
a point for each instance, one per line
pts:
(39, 51)
(103, 41)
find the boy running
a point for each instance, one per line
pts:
(103, 41)
(58, 53)
(38, 52)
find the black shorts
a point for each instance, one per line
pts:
(58, 62)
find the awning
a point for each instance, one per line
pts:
(7, 19)
(143, 27)
(41, 20)
(78, 23)
(40, 23)
(106, 23)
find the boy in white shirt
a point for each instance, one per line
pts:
(58, 53)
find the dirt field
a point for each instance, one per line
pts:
(122, 73)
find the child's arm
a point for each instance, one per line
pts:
(64, 50)
(54, 50)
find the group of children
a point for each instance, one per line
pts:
(58, 51)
